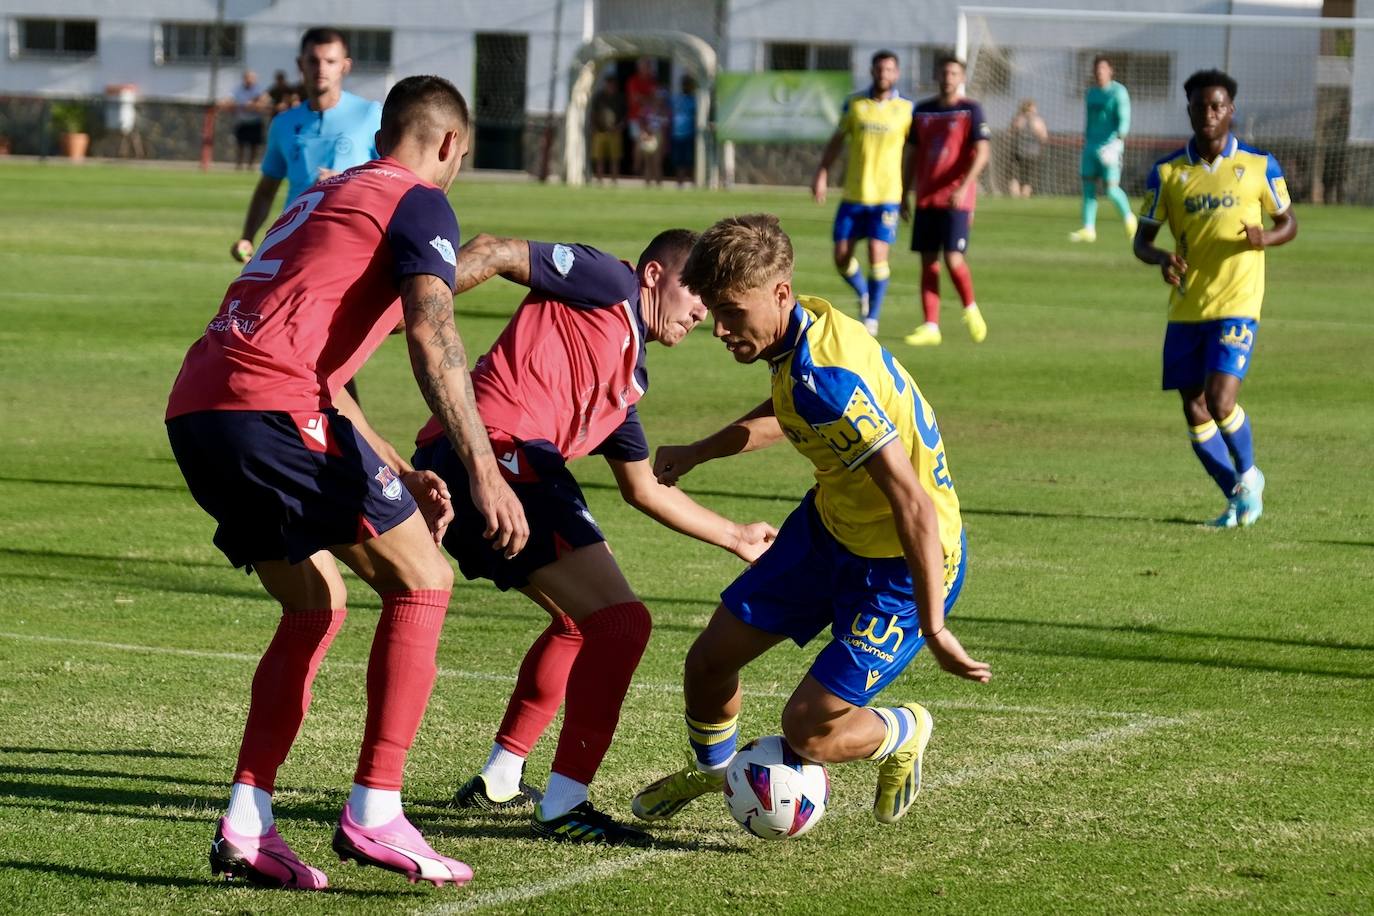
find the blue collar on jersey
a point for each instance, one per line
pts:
(1227, 149)
(872, 93)
(796, 327)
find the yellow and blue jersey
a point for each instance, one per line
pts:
(876, 130)
(1207, 206)
(840, 397)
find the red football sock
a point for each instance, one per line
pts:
(400, 675)
(613, 639)
(963, 282)
(540, 687)
(281, 692)
(930, 291)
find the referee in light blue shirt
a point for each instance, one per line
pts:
(331, 131)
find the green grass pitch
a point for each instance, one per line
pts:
(1179, 720)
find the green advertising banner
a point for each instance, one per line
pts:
(780, 105)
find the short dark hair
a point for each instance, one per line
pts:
(323, 35)
(422, 106)
(669, 248)
(944, 59)
(1103, 59)
(884, 54)
(1206, 79)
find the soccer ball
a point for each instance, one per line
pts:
(772, 792)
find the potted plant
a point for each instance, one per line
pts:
(69, 120)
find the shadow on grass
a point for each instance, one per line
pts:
(20, 772)
(101, 484)
(458, 825)
(1118, 655)
(104, 752)
(44, 554)
(1186, 634)
(137, 880)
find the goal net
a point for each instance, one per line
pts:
(1306, 91)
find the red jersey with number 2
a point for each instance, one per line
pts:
(320, 294)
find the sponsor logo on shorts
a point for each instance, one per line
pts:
(390, 483)
(890, 630)
(1237, 337)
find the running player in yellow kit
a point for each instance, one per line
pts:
(1213, 193)
(875, 122)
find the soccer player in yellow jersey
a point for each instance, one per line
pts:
(875, 553)
(1213, 193)
(875, 123)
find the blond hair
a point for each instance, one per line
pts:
(737, 254)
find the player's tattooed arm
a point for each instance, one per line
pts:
(757, 429)
(485, 256)
(440, 363)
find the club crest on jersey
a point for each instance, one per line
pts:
(1240, 172)
(563, 258)
(390, 483)
(445, 249)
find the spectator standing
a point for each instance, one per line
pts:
(248, 101)
(683, 148)
(1028, 136)
(641, 93)
(608, 128)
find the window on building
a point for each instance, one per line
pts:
(194, 43)
(794, 56)
(1147, 74)
(370, 49)
(56, 38)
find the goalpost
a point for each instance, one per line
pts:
(1306, 89)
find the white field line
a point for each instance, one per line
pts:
(486, 676)
(1007, 764)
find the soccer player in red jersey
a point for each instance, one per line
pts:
(563, 381)
(261, 431)
(947, 149)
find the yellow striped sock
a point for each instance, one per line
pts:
(893, 728)
(852, 267)
(1234, 421)
(880, 271)
(1203, 431)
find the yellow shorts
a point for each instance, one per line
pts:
(607, 144)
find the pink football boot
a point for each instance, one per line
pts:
(262, 860)
(396, 846)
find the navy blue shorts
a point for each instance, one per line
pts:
(864, 221)
(683, 151)
(555, 508)
(1194, 350)
(284, 486)
(940, 229)
(808, 580)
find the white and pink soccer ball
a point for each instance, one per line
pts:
(773, 793)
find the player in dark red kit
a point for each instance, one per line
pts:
(561, 382)
(262, 434)
(947, 150)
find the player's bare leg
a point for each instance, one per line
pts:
(588, 586)
(711, 688)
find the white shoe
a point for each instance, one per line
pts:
(871, 325)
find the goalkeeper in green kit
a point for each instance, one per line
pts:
(1107, 122)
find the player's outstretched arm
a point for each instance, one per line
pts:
(485, 256)
(918, 527)
(440, 363)
(1171, 265)
(428, 488)
(258, 208)
(674, 509)
(755, 430)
